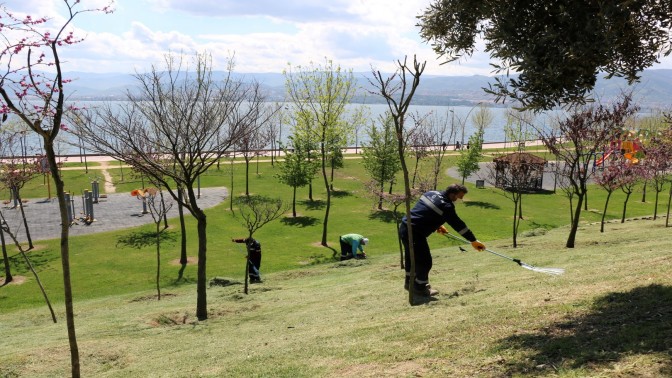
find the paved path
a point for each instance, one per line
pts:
(115, 212)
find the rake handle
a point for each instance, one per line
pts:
(517, 261)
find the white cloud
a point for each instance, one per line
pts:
(265, 35)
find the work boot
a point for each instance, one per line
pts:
(424, 290)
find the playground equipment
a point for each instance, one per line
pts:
(627, 148)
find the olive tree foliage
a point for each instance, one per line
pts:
(557, 47)
(174, 128)
(467, 163)
(319, 94)
(380, 155)
(32, 88)
(398, 90)
(297, 169)
(575, 140)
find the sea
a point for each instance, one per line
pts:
(459, 118)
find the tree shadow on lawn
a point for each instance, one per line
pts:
(620, 325)
(38, 259)
(386, 216)
(313, 205)
(340, 193)
(142, 239)
(300, 221)
(481, 204)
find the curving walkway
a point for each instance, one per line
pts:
(117, 211)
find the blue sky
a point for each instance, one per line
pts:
(264, 35)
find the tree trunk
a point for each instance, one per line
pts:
(202, 296)
(247, 269)
(669, 201)
(65, 256)
(247, 177)
(380, 197)
(158, 260)
(625, 206)
(25, 221)
(655, 208)
(294, 202)
(183, 238)
(571, 240)
(515, 220)
(604, 213)
(644, 192)
(326, 211)
(5, 258)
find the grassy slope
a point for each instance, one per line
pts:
(337, 319)
(607, 316)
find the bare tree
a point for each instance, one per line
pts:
(256, 211)
(157, 209)
(441, 129)
(177, 127)
(249, 146)
(398, 93)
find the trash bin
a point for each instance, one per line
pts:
(480, 184)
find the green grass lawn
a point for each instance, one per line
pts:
(315, 316)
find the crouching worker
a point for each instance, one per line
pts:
(350, 243)
(253, 256)
(427, 216)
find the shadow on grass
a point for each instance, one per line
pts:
(481, 204)
(619, 325)
(386, 216)
(38, 259)
(300, 221)
(340, 193)
(313, 205)
(142, 239)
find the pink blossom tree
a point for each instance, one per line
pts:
(32, 89)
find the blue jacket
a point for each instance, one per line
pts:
(431, 211)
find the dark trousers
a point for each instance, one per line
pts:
(255, 266)
(346, 250)
(423, 257)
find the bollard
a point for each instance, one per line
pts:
(96, 191)
(89, 208)
(67, 200)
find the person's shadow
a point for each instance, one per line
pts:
(620, 324)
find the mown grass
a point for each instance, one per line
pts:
(608, 316)
(317, 317)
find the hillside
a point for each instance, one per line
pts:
(608, 316)
(653, 91)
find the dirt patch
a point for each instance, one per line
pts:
(16, 280)
(152, 297)
(190, 260)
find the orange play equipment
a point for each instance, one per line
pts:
(627, 148)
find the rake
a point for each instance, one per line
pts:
(551, 271)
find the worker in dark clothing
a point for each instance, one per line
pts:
(427, 216)
(253, 256)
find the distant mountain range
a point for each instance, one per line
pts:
(653, 91)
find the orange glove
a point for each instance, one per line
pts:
(442, 230)
(478, 246)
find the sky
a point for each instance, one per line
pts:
(260, 35)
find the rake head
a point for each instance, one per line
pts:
(551, 271)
